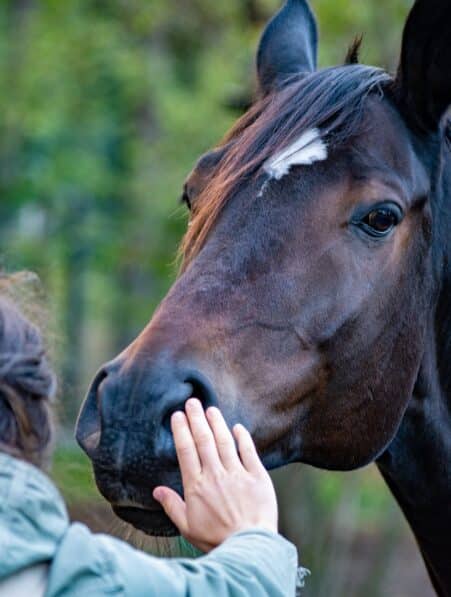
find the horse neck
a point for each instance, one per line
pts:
(417, 464)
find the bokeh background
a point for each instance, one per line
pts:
(105, 106)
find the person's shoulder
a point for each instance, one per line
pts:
(83, 565)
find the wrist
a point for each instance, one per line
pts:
(258, 525)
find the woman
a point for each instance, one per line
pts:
(229, 510)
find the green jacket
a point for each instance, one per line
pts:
(41, 553)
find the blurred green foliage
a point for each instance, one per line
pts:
(72, 472)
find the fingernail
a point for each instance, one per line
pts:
(193, 403)
(213, 411)
(178, 417)
(158, 493)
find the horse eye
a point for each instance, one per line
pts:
(381, 220)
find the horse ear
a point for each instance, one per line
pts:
(288, 45)
(423, 83)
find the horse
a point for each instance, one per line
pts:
(314, 298)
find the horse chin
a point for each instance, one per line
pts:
(130, 497)
(153, 522)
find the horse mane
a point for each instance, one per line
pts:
(352, 57)
(331, 100)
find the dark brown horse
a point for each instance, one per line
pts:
(314, 303)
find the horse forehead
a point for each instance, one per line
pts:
(307, 149)
(385, 138)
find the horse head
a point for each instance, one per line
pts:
(308, 274)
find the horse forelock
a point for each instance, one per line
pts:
(330, 101)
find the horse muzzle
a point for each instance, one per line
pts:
(124, 428)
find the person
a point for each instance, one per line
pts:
(229, 509)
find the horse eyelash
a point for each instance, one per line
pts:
(185, 197)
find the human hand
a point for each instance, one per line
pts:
(224, 492)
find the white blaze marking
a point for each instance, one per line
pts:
(309, 148)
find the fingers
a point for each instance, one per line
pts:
(223, 438)
(185, 447)
(174, 507)
(202, 435)
(247, 450)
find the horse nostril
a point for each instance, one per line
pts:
(202, 390)
(89, 425)
(197, 387)
(166, 422)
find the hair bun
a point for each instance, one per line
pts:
(28, 373)
(23, 362)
